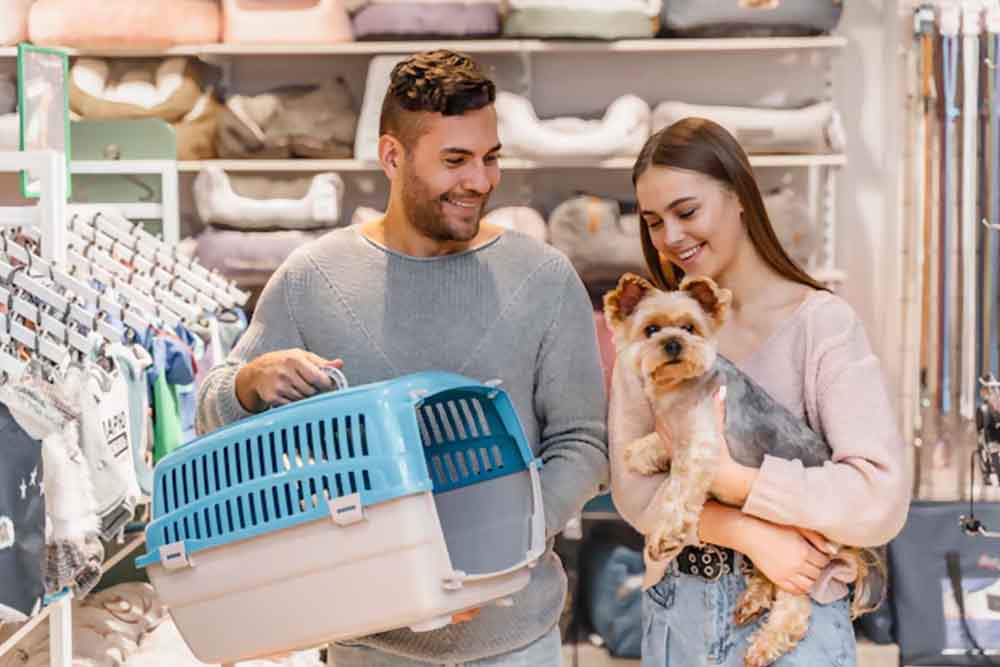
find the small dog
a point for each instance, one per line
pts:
(668, 338)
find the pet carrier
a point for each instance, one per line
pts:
(387, 505)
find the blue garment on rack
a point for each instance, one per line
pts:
(187, 394)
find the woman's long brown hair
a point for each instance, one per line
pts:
(698, 144)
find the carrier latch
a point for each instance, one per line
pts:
(346, 510)
(174, 556)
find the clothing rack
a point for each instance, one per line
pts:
(67, 273)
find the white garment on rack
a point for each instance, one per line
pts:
(70, 504)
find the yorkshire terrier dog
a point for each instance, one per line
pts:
(668, 339)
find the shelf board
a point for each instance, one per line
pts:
(510, 164)
(732, 44)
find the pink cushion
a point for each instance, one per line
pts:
(285, 21)
(124, 24)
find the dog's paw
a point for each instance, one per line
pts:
(646, 456)
(664, 543)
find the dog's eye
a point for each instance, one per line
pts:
(689, 328)
(652, 329)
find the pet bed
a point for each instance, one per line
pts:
(248, 258)
(416, 19)
(285, 21)
(123, 24)
(523, 219)
(10, 132)
(294, 121)
(750, 18)
(8, 94)
(112, 89)
(592, 19)
(622, 131)
(601, 243)
(815, 128)
(197, 129)
(256, 204)
(376, 85)
(14, 21)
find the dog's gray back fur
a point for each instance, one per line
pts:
(757, 424)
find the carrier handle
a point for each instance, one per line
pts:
(337, 376)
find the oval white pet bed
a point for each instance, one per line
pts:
(219, 204)
(815, 128)
(622, 130)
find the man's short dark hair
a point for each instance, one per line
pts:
(439, 81)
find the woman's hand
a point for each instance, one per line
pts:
(733, 480)
(792, 558)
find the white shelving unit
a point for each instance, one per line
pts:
(515, 46)
(509, 164)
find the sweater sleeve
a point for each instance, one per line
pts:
(273, 327)
(860, 497)
(572, 409)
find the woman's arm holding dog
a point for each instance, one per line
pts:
(630, 418)
(859, 497)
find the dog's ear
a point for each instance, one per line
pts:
(621, 302)
(713, 299)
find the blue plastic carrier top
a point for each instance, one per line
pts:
(333, 453)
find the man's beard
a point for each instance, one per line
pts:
(426, 212)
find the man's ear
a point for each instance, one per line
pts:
(390, 154)
(621, 302)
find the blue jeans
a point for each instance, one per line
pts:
(688, 622)
(543, 652)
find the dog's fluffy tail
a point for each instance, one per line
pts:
(870, 586)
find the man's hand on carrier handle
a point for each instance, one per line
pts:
(282, 377)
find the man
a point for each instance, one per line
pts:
(430, 287)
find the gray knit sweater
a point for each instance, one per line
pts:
(512, 309)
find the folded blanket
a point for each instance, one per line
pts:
(299, 121)
(124, 24)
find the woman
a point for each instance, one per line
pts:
(702, 214)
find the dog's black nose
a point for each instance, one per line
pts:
(673, 348)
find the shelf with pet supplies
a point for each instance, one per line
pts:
(720, 45)
(512, 164)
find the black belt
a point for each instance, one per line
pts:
(708, 562)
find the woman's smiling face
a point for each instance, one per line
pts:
(693, 220)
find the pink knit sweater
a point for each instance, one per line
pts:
(819, 364)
